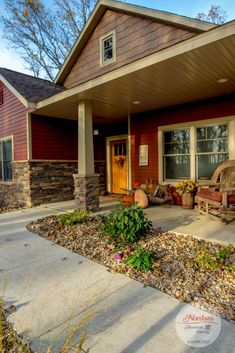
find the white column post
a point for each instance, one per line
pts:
(85, 139)
(86, 182)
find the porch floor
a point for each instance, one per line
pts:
(171, 218)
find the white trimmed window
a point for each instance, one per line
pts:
(176, 154)
(194, 152)
(108, 49)
(212, 149)
(6, 160)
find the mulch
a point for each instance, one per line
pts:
(174, 272)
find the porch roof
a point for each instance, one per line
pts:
(185, 72)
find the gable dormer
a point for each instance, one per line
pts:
(121, 34)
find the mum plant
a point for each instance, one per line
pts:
(186, 186)
(126, 225)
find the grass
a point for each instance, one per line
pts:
(10, 342)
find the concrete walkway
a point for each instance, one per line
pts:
(54, 289)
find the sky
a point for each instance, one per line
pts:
(9, 58)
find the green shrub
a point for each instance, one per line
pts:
(223, 253)
(141, 259)
(126, 225)
(74, 217)
(205, 260)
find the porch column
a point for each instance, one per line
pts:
(86, 182)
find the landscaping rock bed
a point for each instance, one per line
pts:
(178, 269)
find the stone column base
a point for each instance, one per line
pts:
(86, 192)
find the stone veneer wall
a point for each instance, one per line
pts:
(38, 182)
(17, 192)
(100, 168)
(52, 181)
(86, 192)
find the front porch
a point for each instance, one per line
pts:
(170, 218)
(154, 97)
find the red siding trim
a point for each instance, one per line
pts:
(13, 122)
(144, 129)
(54, 139)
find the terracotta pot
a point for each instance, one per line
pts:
(187, 200)
(141, 198)
(127, 200)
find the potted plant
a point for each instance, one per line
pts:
(186, 190)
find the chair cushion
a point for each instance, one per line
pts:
(214, 196)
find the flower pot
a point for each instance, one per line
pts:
(187, 200)
(127, 200)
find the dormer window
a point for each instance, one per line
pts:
(108, 49)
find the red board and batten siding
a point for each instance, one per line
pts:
(144, 129)
(13, 121)
(54, 139)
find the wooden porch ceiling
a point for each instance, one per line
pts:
(189, 76)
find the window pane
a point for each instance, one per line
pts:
(7, 159)
(176, 142)
(177, 135)
(177, 167)
(177, 148)
(212, 139)
(208, 163)
(201, 133)
(219, 131)
(7, 151)
(116, 150)
(218, 145)
(124, 149)
(7, 170)
(108, 48)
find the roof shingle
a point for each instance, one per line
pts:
(33, 89)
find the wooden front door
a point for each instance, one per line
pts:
(119, 166)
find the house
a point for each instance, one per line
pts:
(142, 94)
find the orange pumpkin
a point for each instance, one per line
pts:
(127, 200)
(141, 198)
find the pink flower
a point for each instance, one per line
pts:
(129, 249)
(118, 257)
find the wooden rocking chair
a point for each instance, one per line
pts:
(218, 198)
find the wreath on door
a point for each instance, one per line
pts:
(119, 161)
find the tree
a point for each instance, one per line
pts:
(215, 15)
(44, 36)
